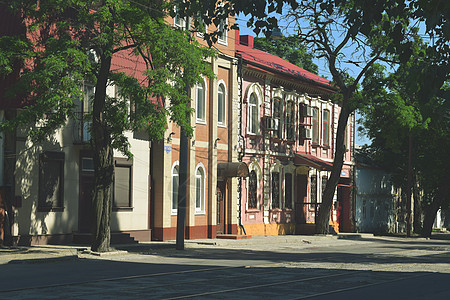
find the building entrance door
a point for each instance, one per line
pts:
(301, 199)
(85, 212)
(220, 208)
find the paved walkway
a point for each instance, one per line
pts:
(291, 267)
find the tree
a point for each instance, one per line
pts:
(398, 114)
(332, 27)
(69, 42)
(288, 48)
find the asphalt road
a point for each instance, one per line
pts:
(290, 267)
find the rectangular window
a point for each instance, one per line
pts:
(51, 181)
(275, 190)
(290, 121)
(288, 190)
(277, 109)
(222, 33)
(326, 128)
(315, 125)
(201, 105)
(122, 183)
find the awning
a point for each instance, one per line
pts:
(232, 169)
(312, 161)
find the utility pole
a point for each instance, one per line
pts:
(182, 177)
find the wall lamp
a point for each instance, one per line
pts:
(169, 138)
(215, 143)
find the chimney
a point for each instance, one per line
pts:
(246, 40)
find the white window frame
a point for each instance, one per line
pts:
(326, 129)
(224, 110)
(201, 119)
(199, 33)
(221, 28)
(174, 210)
(181, 23)
(200, 209)
(251, 130)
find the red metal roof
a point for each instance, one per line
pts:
(274, 62)
(312, 161)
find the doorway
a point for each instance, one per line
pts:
(301, 199)
(85, 213)
(220, 207)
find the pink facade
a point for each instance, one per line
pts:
(288, 129)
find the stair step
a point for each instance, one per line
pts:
(233, 236)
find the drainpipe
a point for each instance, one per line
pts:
(241, 153)
(353, 182)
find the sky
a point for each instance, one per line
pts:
(323, 68)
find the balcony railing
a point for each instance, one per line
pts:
(81, 129)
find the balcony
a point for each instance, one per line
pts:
(81, 129)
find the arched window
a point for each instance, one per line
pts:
(175, 184)
(253, 116)
(199, 190)
(221, 104)
(252, 190)
(201, 102)
(277, 111)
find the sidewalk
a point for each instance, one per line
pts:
(50, 253)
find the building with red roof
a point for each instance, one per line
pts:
(288, 128)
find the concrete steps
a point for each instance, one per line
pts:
(233, 236)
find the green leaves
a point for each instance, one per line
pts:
(56, 58)
(289, 48)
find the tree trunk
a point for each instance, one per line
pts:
(417, 223)
(103, 163)
(322, 220)
(430, 211)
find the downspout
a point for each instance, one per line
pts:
(353, 183)
(241, 153)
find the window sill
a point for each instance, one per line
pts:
(200, 122)
(199, 213)
(276, 209)
(252, 210)
(222, 42)
(124, 208)
(221, 125)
